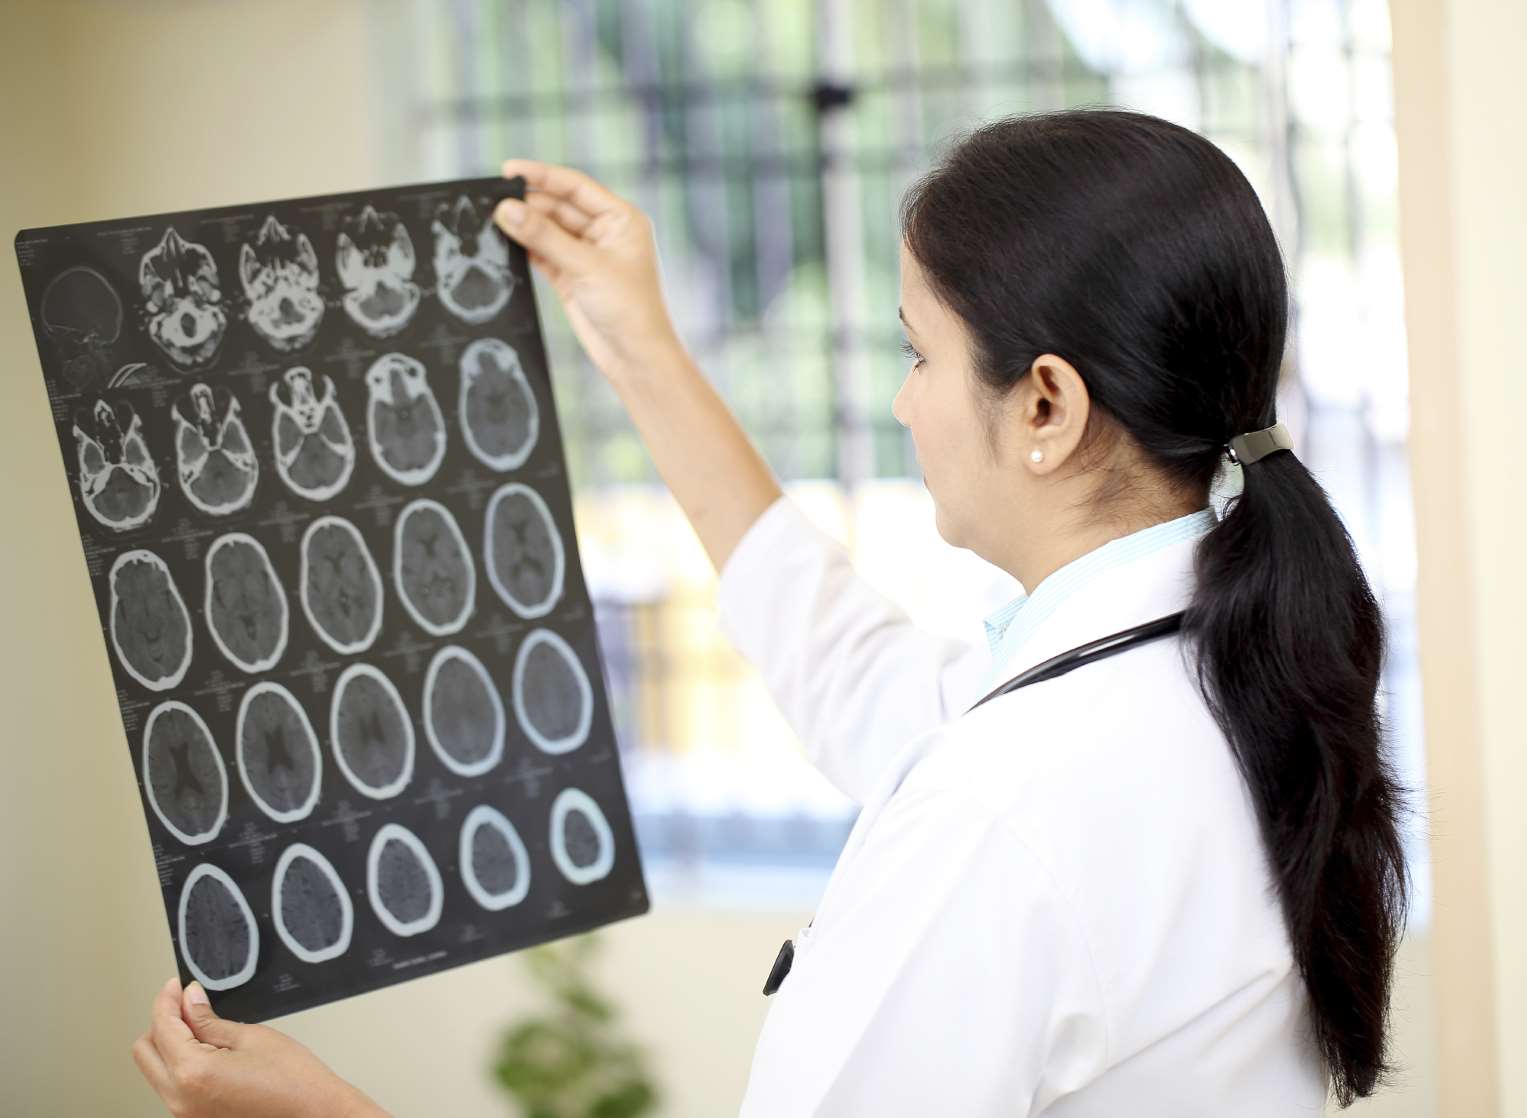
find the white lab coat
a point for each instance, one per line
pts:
(1057, 904)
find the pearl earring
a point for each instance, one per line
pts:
(1036, 456)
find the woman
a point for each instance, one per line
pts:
(1167, 882)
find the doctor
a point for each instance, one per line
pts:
(1165, 882)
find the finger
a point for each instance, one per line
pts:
(571, 185)
(171, 1036)
(539, 234)
(149, 1062)
(565, 214)
(196, 1012)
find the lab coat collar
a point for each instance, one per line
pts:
(1138, 589)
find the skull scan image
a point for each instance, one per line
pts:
(494, 864)
(371, 733)
(403, 881)
(525, 559)
(341, 585)
(219, 939)
(498, 412)
(82, 315)
(280, 277)
(245, 606)
(463, 714)
(118, 481)
(471, 262)
(183, 300)
(214, 458)
(314, 450)
(183, 774)
(310, 906)
(277, 754)
(150, 626)
(403, 422)
(374, 256)
(552, 696)
(432, 569)
(582, 845)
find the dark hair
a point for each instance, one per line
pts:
(1135, 249)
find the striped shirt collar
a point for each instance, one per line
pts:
(1009, 626)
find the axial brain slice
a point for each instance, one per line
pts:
(117, 478)
(341, 586)
(432, 568)
(245, 606)
(525, 558)
(372, 735)
(499, 416)
(183, 774)
(310, 906)
(402, 881)
(582, 845)
(280, 277)
(218, 937)
(374, 256)
(495, 866)
(150, 628)
(403, 421)
(277, 753)
(472, 272)
(463, 715)
(314, 450)
(214, 459)
(553, 698)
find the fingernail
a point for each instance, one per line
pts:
(511, 211)
(196, 995)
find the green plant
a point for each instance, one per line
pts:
(570, 1061)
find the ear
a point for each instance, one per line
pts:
(1055, 412)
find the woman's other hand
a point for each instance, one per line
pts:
(598, 252)
(202, 1065)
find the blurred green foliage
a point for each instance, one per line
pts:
(570, 1060)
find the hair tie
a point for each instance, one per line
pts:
(1247, 448)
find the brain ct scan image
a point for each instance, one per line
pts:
(118, 480)
(214, 459)
(310, 439)
(280, 277)
(374, 257)
(182, 300)
(312, 450)
(403, 421)
(472, 272)
(150, 627)
(497, 408)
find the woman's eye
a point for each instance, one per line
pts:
(912, 354)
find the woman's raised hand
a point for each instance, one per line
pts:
(598, 251)
(203, 1066)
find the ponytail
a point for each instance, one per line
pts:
(1290, 644)
(1138, 251)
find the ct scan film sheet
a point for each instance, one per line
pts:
(322, 494)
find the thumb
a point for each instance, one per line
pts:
(540, 234)
(209, 1028)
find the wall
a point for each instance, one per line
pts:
(1463, 163)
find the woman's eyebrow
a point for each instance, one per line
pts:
(901, 314)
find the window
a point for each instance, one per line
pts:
(771, 143)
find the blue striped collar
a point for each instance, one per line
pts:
(1008, 627)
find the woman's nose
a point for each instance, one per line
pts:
(899, 406)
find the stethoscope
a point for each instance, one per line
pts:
(1055, 666)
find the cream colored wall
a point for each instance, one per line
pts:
(111, 108)
(1463, 173)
